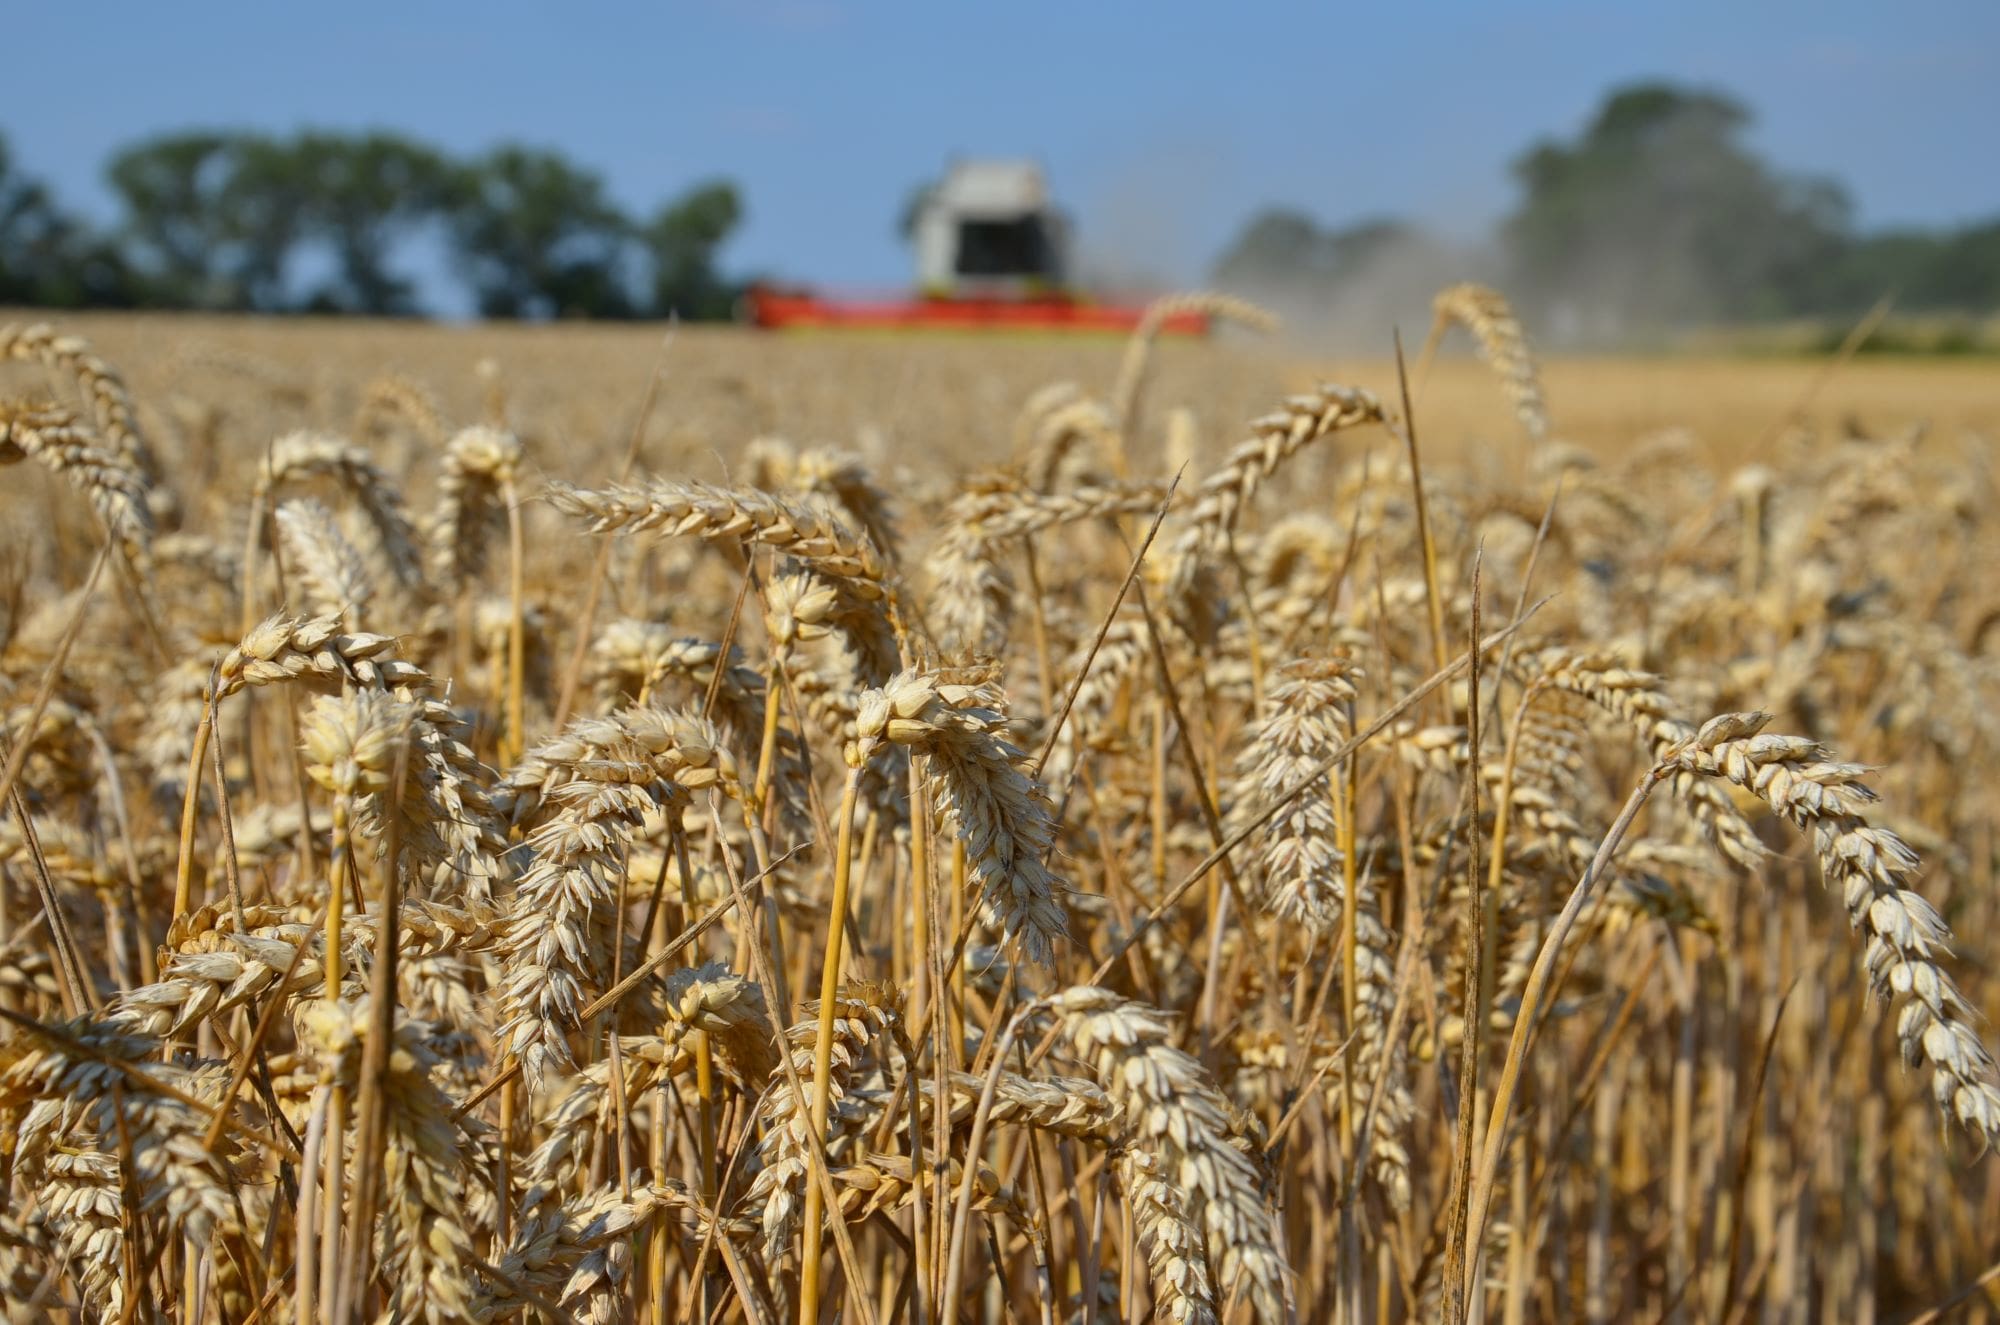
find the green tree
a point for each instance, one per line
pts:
(48, 257)
(1349, 283)
(1951, 271)
(1658, 216)
(537, 236)
(359, 196)
(682, 241)
(209, 220)
(1278, 245)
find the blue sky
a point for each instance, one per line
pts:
(1162, 125)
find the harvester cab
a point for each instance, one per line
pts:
(988, 230)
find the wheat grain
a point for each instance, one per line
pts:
(479, 466)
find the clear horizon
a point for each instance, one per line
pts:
(1163, 128)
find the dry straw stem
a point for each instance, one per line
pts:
(1480, 1193)
(829, 1012)
(1486, 314)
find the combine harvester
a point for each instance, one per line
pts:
(992, 255)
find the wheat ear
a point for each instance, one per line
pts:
(1274, 439)
(1138, 355)
(1175, 1116)
(479, 464)
(333, 579)
(1873, 868)
(116, 490)
(1485, 312)
(972, 593)
(998, 810)
(602, 778)
(814, 535)
(99, 384)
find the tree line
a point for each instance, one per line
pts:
(1656, 216)
(325, 222)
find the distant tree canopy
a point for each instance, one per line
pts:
(1288, 248)
(46, 257)
(323, 222)
(682, 238)
(537, 236)
(1659, 214)
(1656, 216)
(1361, 278)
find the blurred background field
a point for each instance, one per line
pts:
(942, 404)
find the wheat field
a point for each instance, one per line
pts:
(600, 824)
